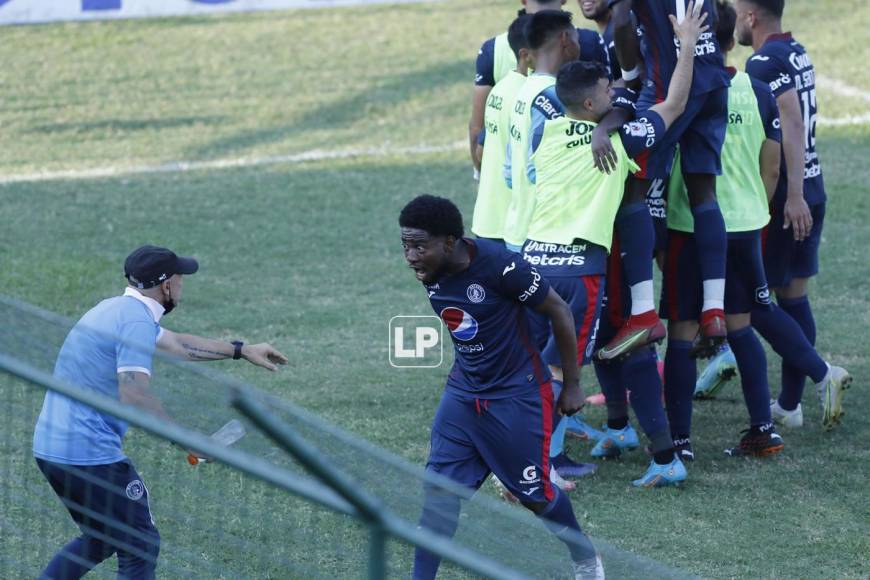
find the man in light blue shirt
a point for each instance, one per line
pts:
(78, 449)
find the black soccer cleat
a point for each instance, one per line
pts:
(759, 441)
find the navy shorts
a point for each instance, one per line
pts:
(509, 437)
(109, 503)
(784, 258)
(583, 295)
(576, 272)
(683, 291)
(699, 131)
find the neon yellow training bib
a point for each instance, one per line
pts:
(493, 194)
(522, 204)
(740, 189)
(574, 199)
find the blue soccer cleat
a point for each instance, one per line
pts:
(615, 441)
(674, 473)
(721, 369)
(579, 429)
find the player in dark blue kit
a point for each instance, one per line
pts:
(700, 132)
(797, 214)
(496, 411)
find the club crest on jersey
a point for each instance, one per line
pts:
(461, 324)
(135, 490)
(762, 295)
(476, 293)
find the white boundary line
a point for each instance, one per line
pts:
(182, 166)
(863, 119)
(834, 85)
(838, 87)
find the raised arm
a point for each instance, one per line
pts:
(687, 32)
(626, 42)
(197, 348)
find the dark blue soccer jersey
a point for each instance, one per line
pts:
(591, 48)
(660, 47)
(485, 310)
(783, 64)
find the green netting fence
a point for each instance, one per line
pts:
(296, 497)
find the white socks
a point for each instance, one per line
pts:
(714, 294)
(642, 297)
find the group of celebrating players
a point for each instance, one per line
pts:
(598, 155)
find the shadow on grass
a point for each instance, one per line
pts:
(347, 110)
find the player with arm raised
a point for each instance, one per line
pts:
(496, 411)
(572, 226)
(792, 257)
(699, 132)
(750, 164)
(78, 449)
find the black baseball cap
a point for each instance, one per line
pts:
(148, 266)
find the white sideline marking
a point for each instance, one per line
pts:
(844, 121)
(834, 85)
(838, 87)
(181, 166)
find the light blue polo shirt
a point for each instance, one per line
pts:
(117, 335)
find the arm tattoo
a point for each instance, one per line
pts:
(196, 353)
(127, 377)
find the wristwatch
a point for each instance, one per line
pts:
(237, 349)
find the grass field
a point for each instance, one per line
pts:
(307, 256)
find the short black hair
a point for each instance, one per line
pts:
(543, 25)
(517, 34)
(523, 12)
(773, 7)
(727, 22)
(575, 79)
(437, 216)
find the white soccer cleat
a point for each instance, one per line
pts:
(563, 484)
(830, 392)
(791, 419)
(592, 569)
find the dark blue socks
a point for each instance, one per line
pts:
(789, 339)
(711, 239)
(681, 372)
(752, 363)
(559, 518)
(637, 239)
(793, 377)
(640, 373)
(440, 515)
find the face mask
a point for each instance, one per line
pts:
(168, 305)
